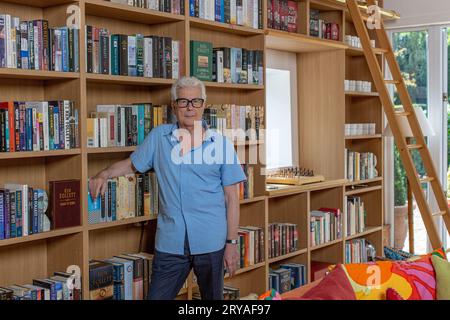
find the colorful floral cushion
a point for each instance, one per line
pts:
(272, 294)
(442, 268)
(392, 294)
(412, 280)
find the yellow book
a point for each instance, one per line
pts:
(90, 124)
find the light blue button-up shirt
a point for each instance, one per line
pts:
(191, 195)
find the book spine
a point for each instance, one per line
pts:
(140, 55)
(89, 49)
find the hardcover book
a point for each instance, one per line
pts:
(65, 203)
(101, 280)
(201, 60)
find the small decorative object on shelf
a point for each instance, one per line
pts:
(293, 176)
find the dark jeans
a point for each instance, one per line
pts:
(170, 271)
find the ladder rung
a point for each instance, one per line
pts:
(402, 113)
(441, 213)
(392, 81)
(414, 146)
(426, 180)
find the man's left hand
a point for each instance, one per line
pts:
(231, 258)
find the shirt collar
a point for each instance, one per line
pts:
(209, 133)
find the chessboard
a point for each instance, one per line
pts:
(294, 176)
(295, 181)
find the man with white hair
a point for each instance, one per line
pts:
(198, 176)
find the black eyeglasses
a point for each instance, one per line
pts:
(184, 103)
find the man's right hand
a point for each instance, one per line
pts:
(98, 185)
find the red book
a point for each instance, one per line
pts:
(292, 16)
(65, 203)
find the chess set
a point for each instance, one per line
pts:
(295, 176)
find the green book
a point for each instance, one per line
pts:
(115, 55)
(201, 60)
(140, 55)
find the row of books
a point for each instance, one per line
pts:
(38, 126)
(356, 251)
(226, 65)
(122, 277)
(126, 197)
(360, 165)
(248, 13)
(326, 225)
(229, 293)
(124, 125)
(228, 118)
(283, 239)
(60, 286)
(323, 29)
(132, 55)
(22, 211)
(288, 277)
(169, 6)
(250, 246)
(356, 215)
(282, 15)
(246, 188)
(35, 45)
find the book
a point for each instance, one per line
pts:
(65, 203)
(101, 281)
(201, 60)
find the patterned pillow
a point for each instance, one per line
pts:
(396, 254)
(392, 294)
(412, 280)
(438, 253)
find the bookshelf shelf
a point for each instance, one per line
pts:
(289, 255)
(300, 43)
(223, 27)
(110, 150)
(247, 269)
(358, 52)
(234, 86)
(368, 231)
(104, 78)
(328, 244)
(354, 183)
(249, 143)
(364, 137)
(183, 291)
(39, 154)
(253, 200)
(39, 3)
(125, 12)
(10, 73)
(41, 236)
(124, 222)
(361, 94)
(363, 190)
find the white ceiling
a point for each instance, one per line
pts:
(419, 12)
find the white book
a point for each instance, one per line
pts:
(103, 132)
(153, 4)
(148, 57)
(211, 10)
(122, 127)
(35, 130)
(25, 217)
(175, 59)
(201, 9)
(132, 56)
(244, 13)
(233, 12)
(249, 17)
(9, 46)
(43, 110)
(37, 56)
(15, 25)
(249, 69)
(96, 133)
(239, 15)
(112, 122)
(66, 115)
(219, 59)
(255, 14)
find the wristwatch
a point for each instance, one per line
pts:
(232, 241)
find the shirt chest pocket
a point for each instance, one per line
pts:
(208, 175)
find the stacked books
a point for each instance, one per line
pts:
(38, 126)
(226, 65)
(356, 215)
(124, 125)
(122, 277)
(246, 187)
(323, 29)
(132, 55)
(360, 165)
(236, 122)
(325, 226)
(248, 13)
(282, 15)
(22, 211)
(356, 251)
(60, 286)
(288, 277)
(250, 246)
(34, 45)
(171, 6)
(283, 239)
(126, 197)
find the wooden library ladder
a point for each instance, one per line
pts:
(392, 117)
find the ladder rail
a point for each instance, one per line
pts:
(388, 106)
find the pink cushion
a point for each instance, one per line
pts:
(335, 286)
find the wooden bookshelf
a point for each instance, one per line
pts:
(323, 111)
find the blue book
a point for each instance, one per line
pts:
(12, 213)
(35, 223)
(222, 10)
(94, 210)
(40, 206)
(141, 124)
(65, 49)
(236, 64)
(58, 289)
(56, 124)
(191, 9)
(19, 213)
(115, 56)
(44, 283)
(113, 200)
(3, 53)
(2, 214)
(127, 276)
(7, 215)
(296, 273)
(217, 10)
(29, 129)
(119, 282)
